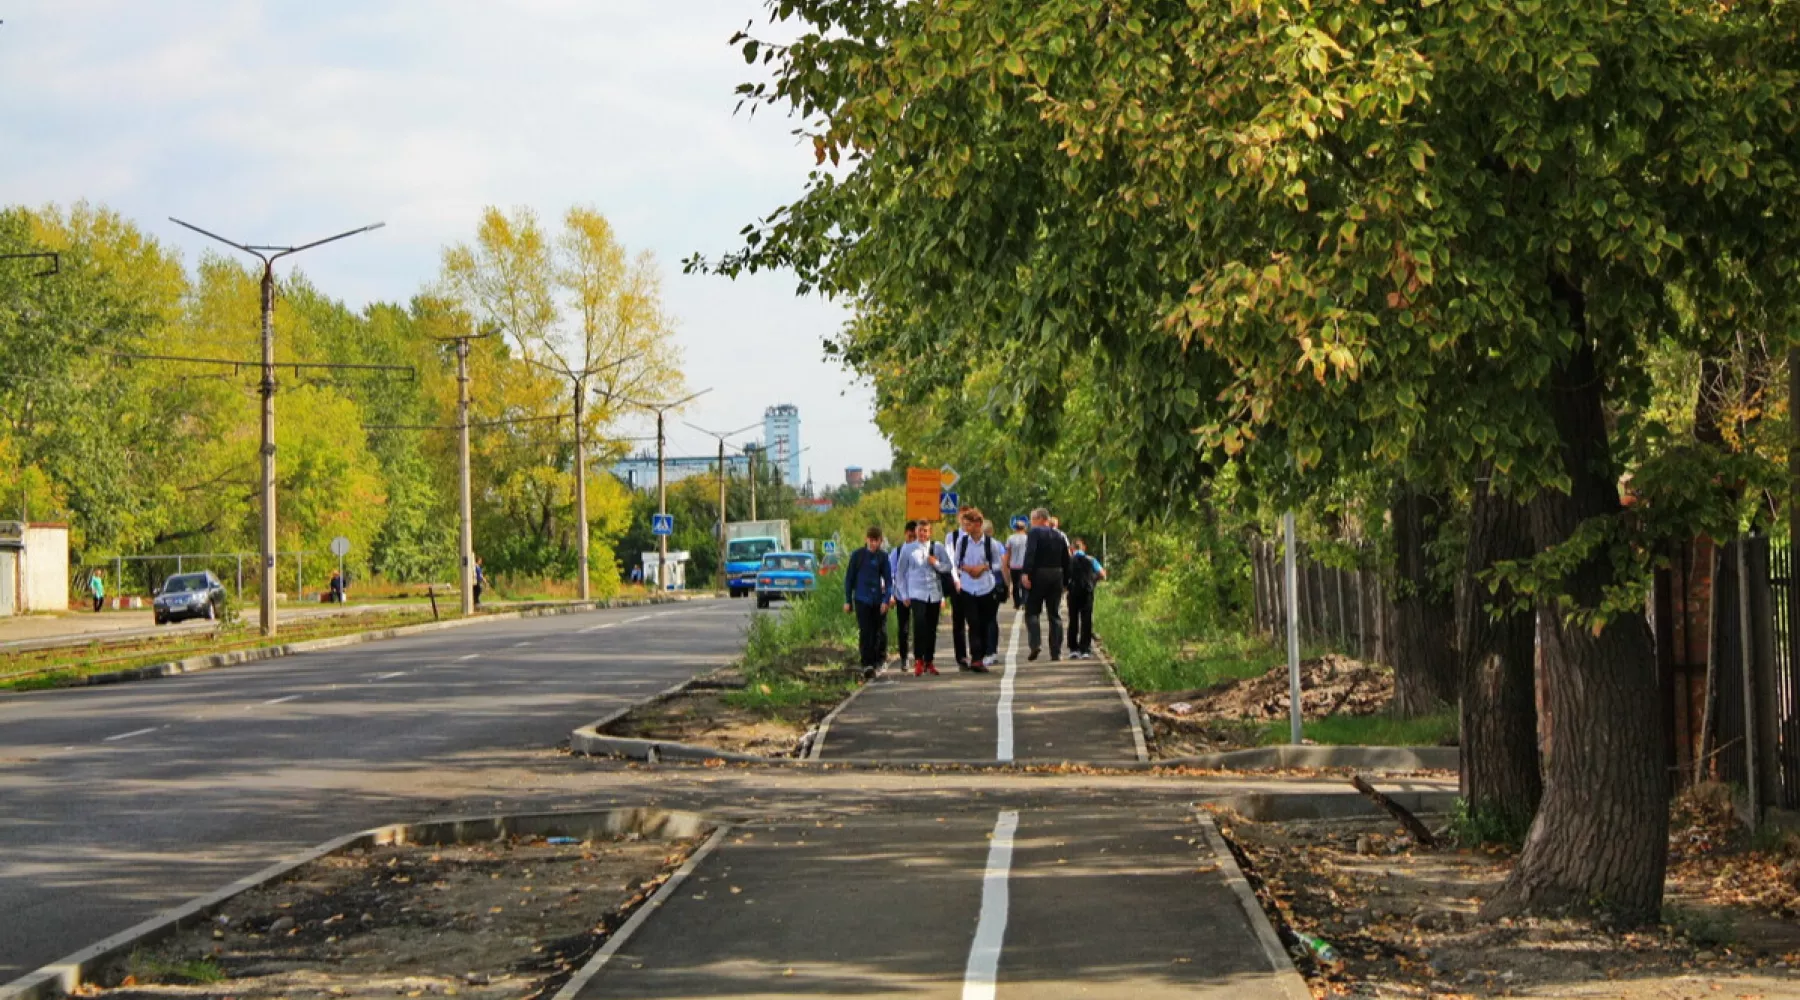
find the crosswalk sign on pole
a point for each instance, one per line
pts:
(662, 524)
(949, 503)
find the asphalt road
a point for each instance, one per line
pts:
(117, 802)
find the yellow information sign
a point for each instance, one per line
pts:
(922, 489)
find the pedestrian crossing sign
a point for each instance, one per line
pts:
(949, 503)
(662, 524)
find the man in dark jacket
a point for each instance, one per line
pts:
(1046, 567)
(869, 590)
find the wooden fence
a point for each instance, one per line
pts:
(1344, 608)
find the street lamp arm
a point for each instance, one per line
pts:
(329, 239)
(215, 236)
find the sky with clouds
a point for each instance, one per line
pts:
(280, 121)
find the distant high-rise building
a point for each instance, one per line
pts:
(781, 440)
(853, 477)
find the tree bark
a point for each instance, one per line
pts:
(1501, 777)
(1600, 840)
(1424, 615)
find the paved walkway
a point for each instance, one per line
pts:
(999, 890)
(1027, 711)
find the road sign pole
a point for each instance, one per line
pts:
(465, 580)
(267, 388)
(581, 519)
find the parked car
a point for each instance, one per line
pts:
(189, 595)
(784, 575)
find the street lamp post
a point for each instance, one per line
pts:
(269, 255)
(662, 483)
(723, 498)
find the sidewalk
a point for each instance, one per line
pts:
(928, 906)
(1026, 711)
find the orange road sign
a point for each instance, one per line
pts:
(922, 489)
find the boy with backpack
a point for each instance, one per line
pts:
(1085, 573)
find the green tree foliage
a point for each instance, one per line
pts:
(1316, 238)
(147, 456)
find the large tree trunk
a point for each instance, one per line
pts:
(1424, 618)
(1501, 777)
(1600, 840)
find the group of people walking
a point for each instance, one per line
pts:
(975, 574)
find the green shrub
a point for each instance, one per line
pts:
(807, 623)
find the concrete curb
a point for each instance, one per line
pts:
(198, 664)
(623, 935)
(67, 974)
(1289, 756)
(601, 746)
(1287, 977)
(1139, 738)
(1265, 807)
(817, 750)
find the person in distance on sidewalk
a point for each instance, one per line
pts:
(902, 613)
(920, 587)
(1085, 573)
(1015, 560)
(1046, 566)
(960, 610)
(979, 561)
(868, 590)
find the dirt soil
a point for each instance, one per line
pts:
(506, 918)
(704, 716)
(1404, 922)
(1231, 714)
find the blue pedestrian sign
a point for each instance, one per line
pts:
(831, 546)
(662, 524)
(949, 503)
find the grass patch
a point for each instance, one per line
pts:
(1439, 729)
(788, 699)
(174, 972)
(58, 666)
(797, 659)
(1151, 655)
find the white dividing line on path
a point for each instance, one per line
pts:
(134, 732)
(1003, 742)
(278, 701)
(983, 972)
(465, 659)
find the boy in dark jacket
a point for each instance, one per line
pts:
(869, 591)
(1085, 573)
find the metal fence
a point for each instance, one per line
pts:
(1344, 608)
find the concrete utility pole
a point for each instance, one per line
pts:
(269, 255)
(1295, 734)
(724, 498)
(465, 580)
(750, 453)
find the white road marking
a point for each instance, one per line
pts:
(465, 659)
(134, 732)
(983, 971)
(596, 628)
(639, 618)
(278, 701)
(1003, 743)
(522, 642)
(390, 675)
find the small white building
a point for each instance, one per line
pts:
(677, 570)
(34, 567)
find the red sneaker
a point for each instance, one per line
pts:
(931, 668)
(919, 667)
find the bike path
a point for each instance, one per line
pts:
(1025, 710)
(1016, 901)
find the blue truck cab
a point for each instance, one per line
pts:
(744, 559)
(785, 575)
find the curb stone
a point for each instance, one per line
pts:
(614, 944)
(1281, 963)
(817, 750)
(67, 974)
(1139, 738)
(214, 661)
(1265, 807)
(1310, 755)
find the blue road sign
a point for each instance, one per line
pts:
(830, 547)
(949, 503)
(662, 524)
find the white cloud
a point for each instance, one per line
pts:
(281, 121)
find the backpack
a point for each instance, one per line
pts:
(1081, 573)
